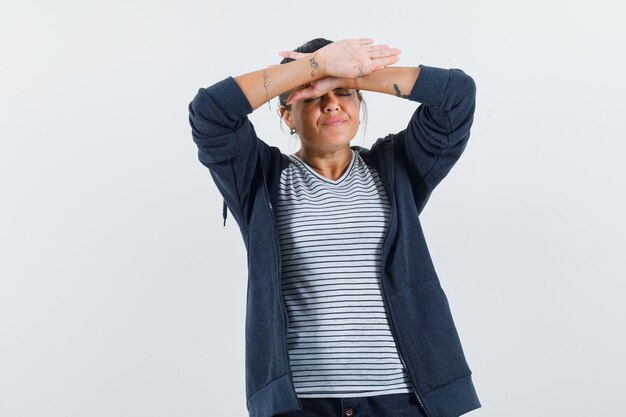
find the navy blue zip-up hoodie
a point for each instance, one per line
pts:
(411, 163)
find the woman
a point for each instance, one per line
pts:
(345, 314)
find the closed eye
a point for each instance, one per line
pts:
(337, 94)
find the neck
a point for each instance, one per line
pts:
(328, 164)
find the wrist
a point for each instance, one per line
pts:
(317, 65)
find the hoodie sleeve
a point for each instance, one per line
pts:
(439, 129)
(227, 142)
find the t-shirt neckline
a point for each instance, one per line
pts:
(323, 178)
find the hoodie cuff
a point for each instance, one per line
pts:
(430, 86)
(233, 102)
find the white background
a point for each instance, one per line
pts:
(121, 293)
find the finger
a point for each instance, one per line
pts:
(384, 53)
(364, 41)
(382, 48)
(378, 68)
(291, 54)
(376, 47)
(300, 95)
(379, 64)
(390, 60)
(292, 97)
(304, 94)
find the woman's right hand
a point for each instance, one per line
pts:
(350, 58)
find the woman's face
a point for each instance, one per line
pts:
(328, 122)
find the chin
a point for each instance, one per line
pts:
(339, 137)
(339, 141)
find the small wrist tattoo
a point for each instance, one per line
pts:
(398, 93)
(314, 66)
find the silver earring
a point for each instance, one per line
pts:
(292, 131)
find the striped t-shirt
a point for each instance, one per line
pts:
(331, 235)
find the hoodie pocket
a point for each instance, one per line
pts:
(441, 350)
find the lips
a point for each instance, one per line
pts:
(334, 121)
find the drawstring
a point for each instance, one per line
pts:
(224, 211)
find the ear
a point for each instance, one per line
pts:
(286, 115)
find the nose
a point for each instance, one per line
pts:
(330, 103)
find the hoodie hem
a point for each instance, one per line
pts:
(277, 397)
(452, 400)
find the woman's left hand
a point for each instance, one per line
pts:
(348, 58)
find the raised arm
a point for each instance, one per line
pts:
(349, 58)
(265, 84)
(397, 81)
(439, 129)
(448, 96)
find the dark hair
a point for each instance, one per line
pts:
(307, 48)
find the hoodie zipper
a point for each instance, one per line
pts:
(280, 293)
(389, 315)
